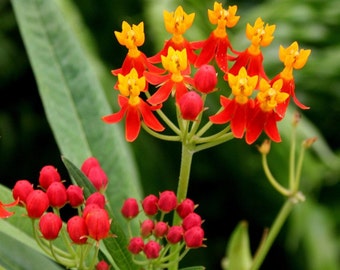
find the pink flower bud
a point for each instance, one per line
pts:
(161, 228)
(194, 237)
(96, 198)
(98, 178)
(88, 164)
(149, 205)
(77, 230)
(147, 227)
(152, 249)
(191, 220)
(102, 265)
(130, 208)
(56, 193)
(48, 174)
(167, 201)
(205, 79)
(136, 245)
(36, 203)
(186, 207)
(50, 225)
(75, 195)
(98, 224)
(190, 105)
(21, 190)
(175, 234)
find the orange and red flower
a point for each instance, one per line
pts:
(3, 212)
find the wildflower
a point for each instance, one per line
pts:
(75, 195)
(152, 249)
(205, 79)
(77, 230)
(130, 208)
(48, 174)
(252, 58)
(56, 193)
(149, 205)
(177, 79)
(50, 225)
(98, 223)
(136, 245)
(218, 43)
(186, 207)
(21, 190)
(292, 58)
(190, 105)
(175, 234)
(36, 203)
(194, 237)
(132, 38)
(147, 227)
(133, 106)
(236, 110)
(167, 201)
(177, 23)
(264, 115)
(3, 212)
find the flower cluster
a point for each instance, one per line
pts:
(156, 236)
(43, 205)
(185, 70)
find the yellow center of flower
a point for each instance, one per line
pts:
(242, 85)
(293, 57)
(175, 62)
(259, 35)
(223, 18)
(131, 37)
(177, 23)
(131, 85)
(270, 96)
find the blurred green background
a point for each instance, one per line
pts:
(227, 182)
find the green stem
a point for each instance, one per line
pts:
(273, 232)
(292, 159)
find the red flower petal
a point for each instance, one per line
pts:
(270, 128)
(227, 113)
(149, 119)
(116, 117)
(238, 123)
(255, 126)
(132, 125)
(207, 52)
(162, 93)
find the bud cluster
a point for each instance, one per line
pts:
(156, 236)
(43, 204)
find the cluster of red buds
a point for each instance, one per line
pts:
(156, 236)
(43, 204)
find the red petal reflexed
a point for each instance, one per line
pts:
(255, 125)
(3, 212)
(156, 79)
(238, 123)
(181, 89)
(227, 114)
(255, 66)
(133, 123)
(148, 117)
(270, 128)
(299, 104)
(222, 53)
(116, 117)
(241, 61)
(207, 52)
(162, 93)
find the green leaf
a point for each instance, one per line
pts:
(238, 255)
(193, 268)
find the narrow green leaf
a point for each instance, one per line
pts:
(193, 268)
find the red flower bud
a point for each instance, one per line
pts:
(161, 228)
(77, 230)
(147, 227)
(190, 105)
(88, 164)
(130, 208)
(152, 249)
(136, 245)
(205, 79)
(98, 178)
(48, 175)
(167, 201)
(175, 234)
(149, 205)
(50, 225)
(186, 207)
(88, 208)
(191, 220)
(36, 203)
(102, 265)
(56, 193)
(194, 237)
(98, 223)
(75, 195)
(96, 198)
(21, 190)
